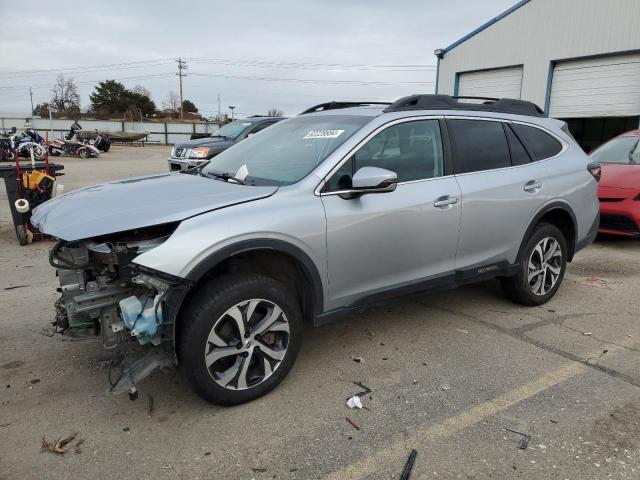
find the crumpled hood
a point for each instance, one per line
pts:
(138, 202)
(211, 142)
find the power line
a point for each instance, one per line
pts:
(88, 68)
(43, 85)
(303, 65)
(303, 80)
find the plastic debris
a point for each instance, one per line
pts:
(587, 334)
(462, 330)
(523, 443)
(353, 424)
(354, 402)
(408, 466)
(358, 359)
(445, 387)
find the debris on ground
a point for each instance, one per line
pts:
(587, 334)
(596, 282)
(58, 445)
(523, 443)
(366, 390)
(408, 466)
(445, 387)
(5, 424)
(34, 381)
(258, 470)
(16, 286)
(358, 359)
(76, 446)
(150, 405)
(353, 424)
(553, 420)
(462, 330)
(354, 402)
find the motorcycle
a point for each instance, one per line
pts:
(24, 143)
(73, 148)
(101, 143)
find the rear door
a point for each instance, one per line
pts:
(382, 242)
(502, 187)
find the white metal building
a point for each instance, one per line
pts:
(577, 59)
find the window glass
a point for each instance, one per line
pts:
(261, 126)
(413, 150)
(619, 150)
(287, 151)
(519, 155)
(479, 144)
(539, 144)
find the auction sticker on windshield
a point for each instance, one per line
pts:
(323, 134)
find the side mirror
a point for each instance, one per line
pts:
(372, 180)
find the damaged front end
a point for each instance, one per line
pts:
(104, 294)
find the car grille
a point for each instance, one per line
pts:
(175, 166)
(611, 200)
(618, 222)
(179, 152)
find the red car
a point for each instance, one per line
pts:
(619, 187)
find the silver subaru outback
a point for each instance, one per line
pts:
(217, 268)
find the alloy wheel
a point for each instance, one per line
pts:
(247, 344)
(545, 265)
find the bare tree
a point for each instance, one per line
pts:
(140, 90)
(172, 101)
(65, 97)
(275, 112)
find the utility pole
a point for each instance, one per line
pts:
(31, 97)
(218, 107)
(182, 65)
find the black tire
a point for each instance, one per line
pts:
(517, 287)
(22, 235)
(84, 153)
(106, 146)
(55, 153)
(208, 304)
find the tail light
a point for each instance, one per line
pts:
(595, 169)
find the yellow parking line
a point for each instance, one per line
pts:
(396, 450)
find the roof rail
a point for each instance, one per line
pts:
(446, 102)
(336, 105)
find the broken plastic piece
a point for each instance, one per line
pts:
(139, 370)
(523, 443)
(354, 402)
(408, 466)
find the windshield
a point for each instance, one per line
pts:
(232, 130)
(286, 152)
(619, 150)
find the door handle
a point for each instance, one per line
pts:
(445, 201)
(532, 186)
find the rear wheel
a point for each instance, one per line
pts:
(84, 153)
(240, 338)
(542, 264)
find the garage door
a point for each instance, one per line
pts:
(603, 87)
(499, 83)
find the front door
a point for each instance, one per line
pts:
(380, 242)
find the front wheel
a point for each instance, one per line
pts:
(543, 261)
(241, 336)
(84, 153)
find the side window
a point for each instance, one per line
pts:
(261, 126)
(519, 155)
(539, 144)
(479, 145)
(413, 150)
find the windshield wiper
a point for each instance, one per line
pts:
(221, 136)
(222, 175)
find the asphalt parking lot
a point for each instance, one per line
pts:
(448, 373)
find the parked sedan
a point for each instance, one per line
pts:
(190, 154)
(619, 188)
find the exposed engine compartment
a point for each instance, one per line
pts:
(103, 294)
